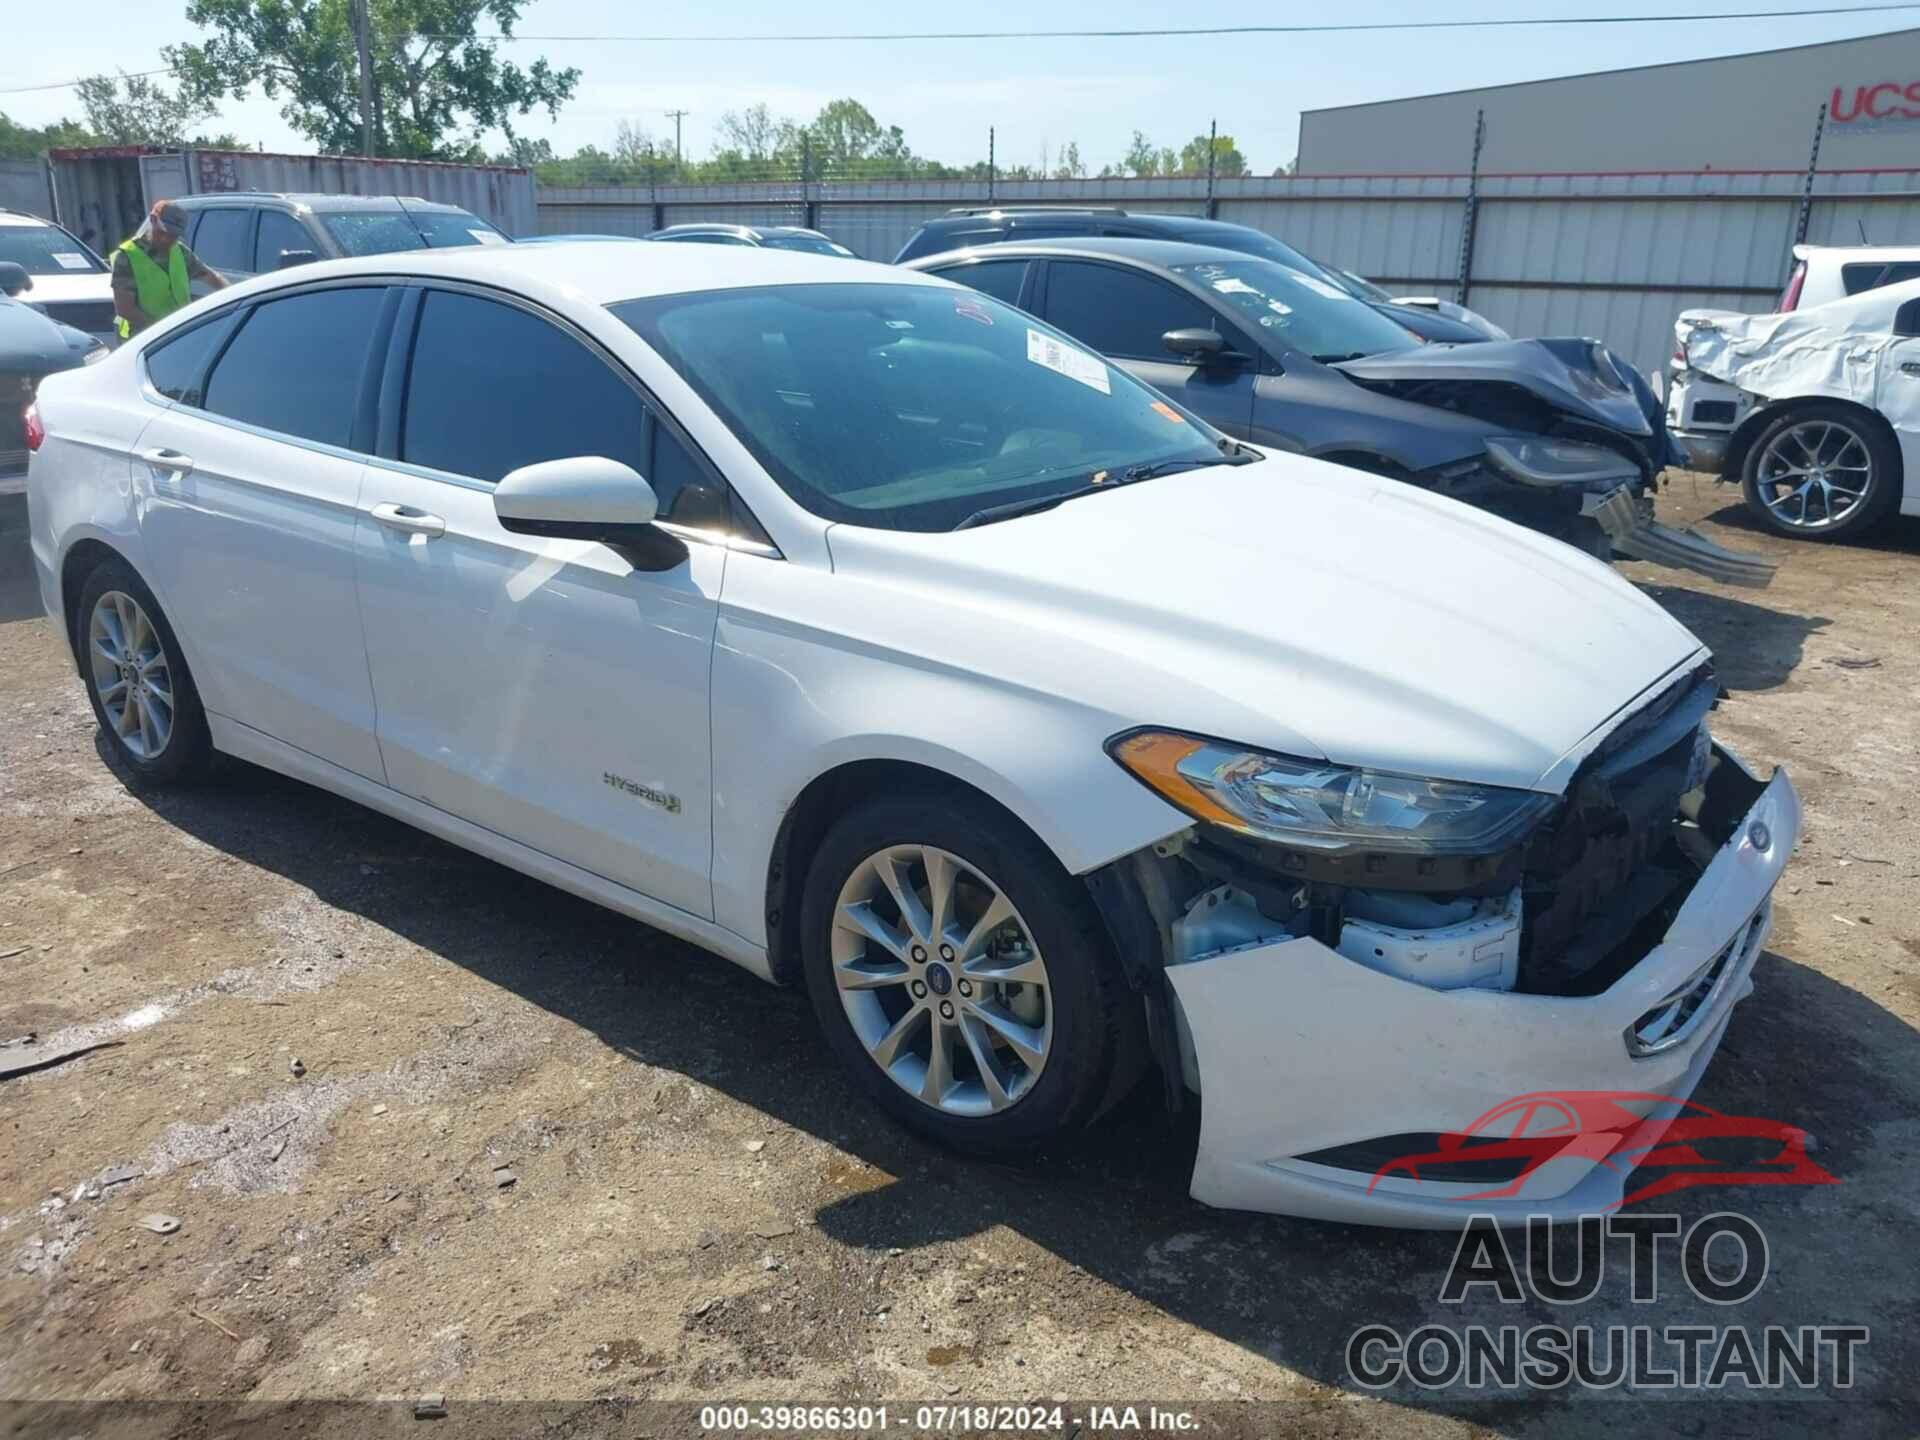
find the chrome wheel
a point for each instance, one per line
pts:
(131, 674)
(941, 980)
(1814, 475)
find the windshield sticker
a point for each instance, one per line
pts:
(71, 260)
(1161, 408)
(971, 309)
(1064, 360)
(898, 324)
(1321, 287)
(486, 237)
(1279, 307)
(1233, 285)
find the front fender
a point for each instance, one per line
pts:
(793, 701)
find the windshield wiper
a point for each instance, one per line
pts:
(1131, 475)
(1336, 359)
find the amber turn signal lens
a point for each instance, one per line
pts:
(1153, 757)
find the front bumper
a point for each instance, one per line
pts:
(1300, 1050)
(1627, 520)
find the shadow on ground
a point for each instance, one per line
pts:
(1113, 1204)
(1755, 646)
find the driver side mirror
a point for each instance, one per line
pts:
(1202, 346)
(588, 497)
(291, 258)
(14, 278)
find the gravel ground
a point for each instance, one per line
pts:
(324, 1034)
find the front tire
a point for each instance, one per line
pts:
(137, 680)
(961, 975)
(1822, 472)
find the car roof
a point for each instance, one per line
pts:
(1857, 252)
(314, 200)
(20, 219)
(1138, 249)
(604, 272)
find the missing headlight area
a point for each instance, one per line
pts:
(1565, 909)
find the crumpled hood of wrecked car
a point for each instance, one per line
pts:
(1293, 605)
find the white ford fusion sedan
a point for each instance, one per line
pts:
(863, 630)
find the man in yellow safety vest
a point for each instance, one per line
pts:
(154, 271)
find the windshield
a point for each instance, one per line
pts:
(910, 407)
(812, 244)
(381, 232)
(1298, 310)
(1249, 241)
(1365, 288)
(45, 250)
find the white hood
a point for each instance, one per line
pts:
(1299, 607)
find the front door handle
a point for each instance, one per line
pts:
(1909, 367)
(411, 521)
(167, 460)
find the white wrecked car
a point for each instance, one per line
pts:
(869, 633)
(1815, 413)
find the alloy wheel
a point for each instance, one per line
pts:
(1814, 475)
(131, 674)
(941, 980)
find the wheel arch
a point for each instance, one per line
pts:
(1741, 442)
(83, 557)
(820, 802)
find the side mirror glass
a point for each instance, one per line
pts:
(588, 497)
(14, 278)
(291, 258)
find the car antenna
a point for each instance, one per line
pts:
(1863, 230)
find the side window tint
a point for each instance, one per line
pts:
(278, 231)
(1901, 272)
(1118, 312)
(1858, 279)
(178, 368)
(296, 364)
(1001, 279)
(1906, 320)
(687, 495)
(494, 387)
(221, 239)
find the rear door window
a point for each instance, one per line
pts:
(279, 231)
(1001, 279)
(297, 364)
(178, 365)
(1120, 312)
(224, 239)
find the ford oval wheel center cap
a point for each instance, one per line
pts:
(939, 978)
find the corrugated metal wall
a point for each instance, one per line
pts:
(1616, 257)
(23, 186)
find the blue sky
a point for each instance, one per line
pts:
(945, 94)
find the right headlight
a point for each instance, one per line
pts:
(1321, 806)
(1538, 460)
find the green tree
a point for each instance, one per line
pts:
(1068, 165)
(25, 142)
(1227, 159)
(438, 87)
(1141, 158)
(138, 110)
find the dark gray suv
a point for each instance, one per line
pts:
(1556, 434)
(243, 233)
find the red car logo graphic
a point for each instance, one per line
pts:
(1624, 1130)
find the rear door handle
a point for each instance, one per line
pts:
(167, 460)
(409, 520)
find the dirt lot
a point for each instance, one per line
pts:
(701, 1209)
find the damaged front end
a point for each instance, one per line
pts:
(1337, 1006)
(1582, 446)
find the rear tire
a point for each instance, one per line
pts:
(1822, 471)
(137, 680)
(1029, 1055)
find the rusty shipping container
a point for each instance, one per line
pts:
(102, 193)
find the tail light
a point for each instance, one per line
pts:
(1795, 283)
(36, 427)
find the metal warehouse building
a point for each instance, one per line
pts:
(1736, 112)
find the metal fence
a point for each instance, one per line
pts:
(24, 186)
(1614, 256)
